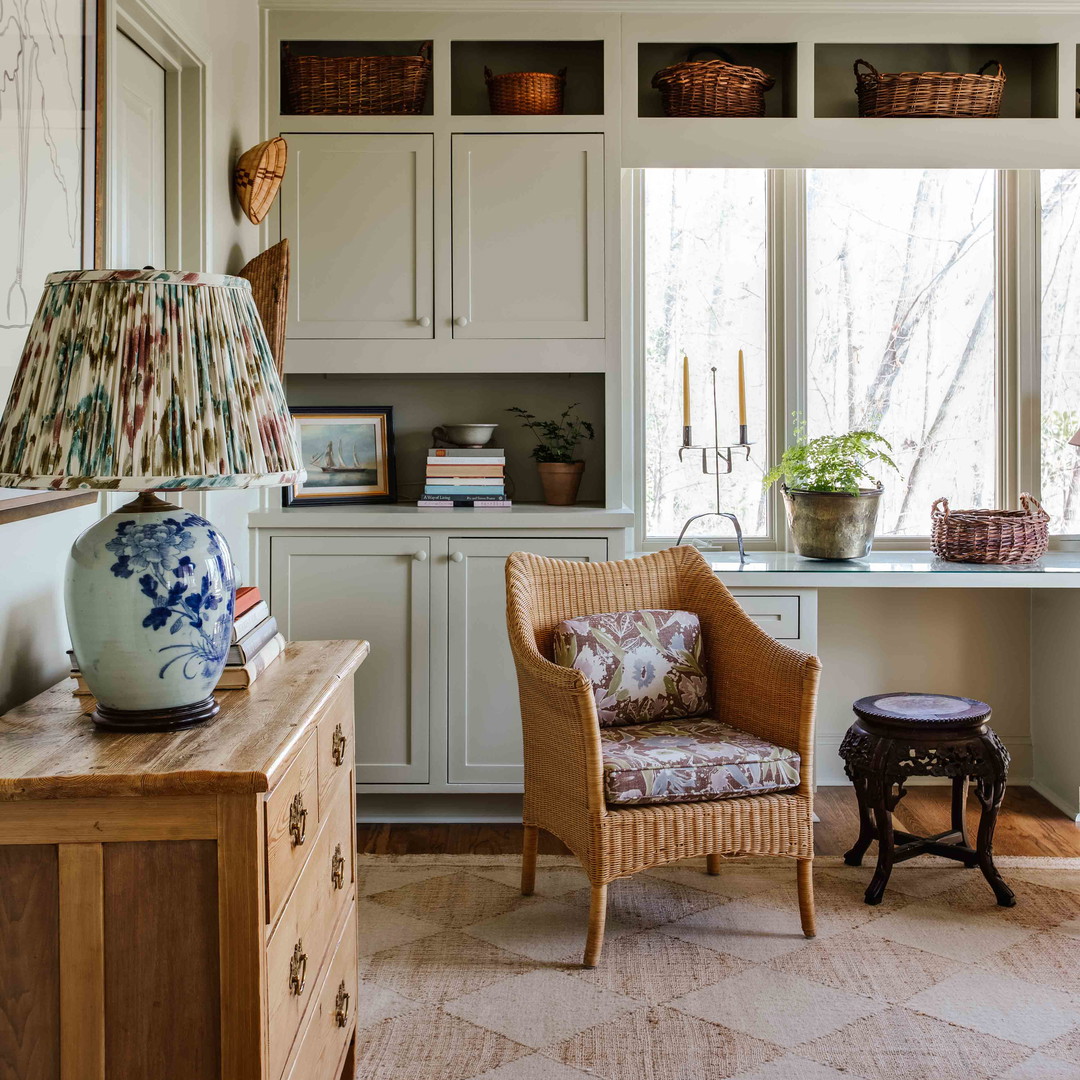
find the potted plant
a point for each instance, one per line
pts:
(831, 514)
(556, 452)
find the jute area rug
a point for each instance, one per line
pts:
(709, 978)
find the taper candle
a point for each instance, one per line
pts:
(685, 391)
(742, 391)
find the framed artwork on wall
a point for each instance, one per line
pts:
(51, 94)
(348, 454)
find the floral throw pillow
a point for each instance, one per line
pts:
(643, 665)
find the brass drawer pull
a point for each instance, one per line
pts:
(341, 1005)
(337, 868)
(298, 819)
(298, 968)
(337, 747)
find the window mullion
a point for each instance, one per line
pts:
(1027, 334)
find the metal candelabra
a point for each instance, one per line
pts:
(722, 458)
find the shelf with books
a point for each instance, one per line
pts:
(465, 478)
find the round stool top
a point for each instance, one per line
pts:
(905, 708)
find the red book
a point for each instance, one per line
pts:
(247, 596)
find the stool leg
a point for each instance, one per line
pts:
(866, 826)
(959, 816)
(880, 791)
(990, 793)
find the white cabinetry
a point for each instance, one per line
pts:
(528, 236)
(357, 211)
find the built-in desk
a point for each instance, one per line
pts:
(947, 631)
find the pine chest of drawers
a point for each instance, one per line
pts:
(183, 906)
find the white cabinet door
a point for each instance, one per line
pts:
(357, 210)
(377, 588)
(484, 721)
(528, 247)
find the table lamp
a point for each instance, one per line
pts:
(148, 381)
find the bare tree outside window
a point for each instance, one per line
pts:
(901, 328)
(705, 297)
(1061, 347)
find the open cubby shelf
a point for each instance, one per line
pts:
(1031, 72)
(353, 48)
(583, 60)
(777, 59)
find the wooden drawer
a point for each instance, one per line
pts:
(307, 924)
(292, 823)
(333, 1013)
(778, 616)
(336, 737)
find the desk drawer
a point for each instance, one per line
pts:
(333, 1012)
(336, 737)
(299, 943)
(777, 615)
(292, 823)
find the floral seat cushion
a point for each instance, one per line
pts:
(691, 760)
(643, 665)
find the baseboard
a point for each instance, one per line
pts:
(1071, 810)
(436, 809)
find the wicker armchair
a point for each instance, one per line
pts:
(762, 686)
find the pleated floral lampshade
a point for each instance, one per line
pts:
(142, 380)
(145, 379)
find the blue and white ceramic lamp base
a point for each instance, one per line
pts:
(150, 596)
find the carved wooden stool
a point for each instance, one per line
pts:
(897, 736)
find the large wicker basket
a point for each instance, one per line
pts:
(928, 93)
(712, 88)
(356, 85)
(990, 536)
(526, 93)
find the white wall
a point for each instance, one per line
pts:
(33, 637)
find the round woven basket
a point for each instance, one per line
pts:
(526, 93)
(990, 536)
(928, 93)
(712, 88)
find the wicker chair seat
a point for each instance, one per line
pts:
(690, 760)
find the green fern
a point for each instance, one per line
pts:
(832, 462)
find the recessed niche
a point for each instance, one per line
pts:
(1031, 73)
(777, 59)
(583, 60)
(349, 48)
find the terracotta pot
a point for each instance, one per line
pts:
(561, 481)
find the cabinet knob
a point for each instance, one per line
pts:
(420, 556)
(424, 320)
(461, 321)
(457, 556)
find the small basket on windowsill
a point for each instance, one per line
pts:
(990, 536)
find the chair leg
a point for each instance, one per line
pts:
(712, 863)
(528, 860)
(597, 917)
(806, 897)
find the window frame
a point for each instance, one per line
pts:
(1018, 344)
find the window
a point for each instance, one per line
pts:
(1060, 376)
(704, 287)
(900, 328)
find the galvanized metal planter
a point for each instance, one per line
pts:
(832, 524)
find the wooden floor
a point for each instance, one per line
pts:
(1028, 825)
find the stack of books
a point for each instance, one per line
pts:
(256, 644)
(460, 477)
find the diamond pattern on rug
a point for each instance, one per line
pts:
(1036, 905)
(901, 1045)
(863, 964)
(534, 1067)
(377, 1003)
(1041, 1067)
(383, 928)
(1067, 1048)
(394, 1049)
(443, 966)
(452, 900)
(642, 901)
(1049, 959)
(376, 879)
(549, 882)
(793, 1067)
(662, 1044)
(734, 879)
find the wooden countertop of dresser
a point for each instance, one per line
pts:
(50, 749)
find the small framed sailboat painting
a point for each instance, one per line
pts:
(348, 453)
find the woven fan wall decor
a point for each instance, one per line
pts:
(269, 277)
(257, 177)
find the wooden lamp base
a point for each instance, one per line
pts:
(175, 719)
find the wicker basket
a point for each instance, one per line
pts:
(990, 536)
(712, 88)
(356, 85)
(928, 93)
(526, 93)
